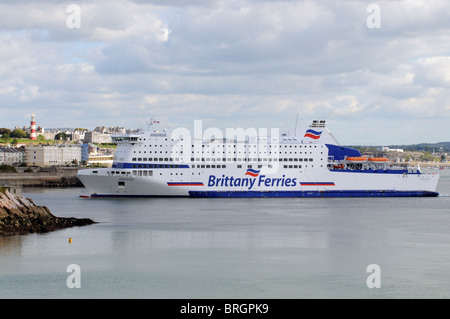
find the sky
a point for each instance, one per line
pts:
(377, 71)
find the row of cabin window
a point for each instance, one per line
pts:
(150, 172)
(204, 166)
(167, 159)
(142, 173)
(157, 166)
(229, 152)
(245, 145)
(248, 166)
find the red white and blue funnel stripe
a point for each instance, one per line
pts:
(313, 134)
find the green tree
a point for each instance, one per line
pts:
(6, 137)
(18, 133)
(5, 130)
(61, 136)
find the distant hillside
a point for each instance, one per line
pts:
(422, 147)
(425, 147)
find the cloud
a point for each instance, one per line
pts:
(242, 63)
(434, 71)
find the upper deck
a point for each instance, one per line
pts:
(312, 148)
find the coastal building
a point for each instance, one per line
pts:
(387, 149)
(105, 160)
(10, 156)
(97, 137)
(52, 155)
(84, 152)
(78, 135)
(119, 130)
(91, 154)
(48, 135)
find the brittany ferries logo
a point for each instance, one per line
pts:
(250, 182)
(252, 172)
(313, 134)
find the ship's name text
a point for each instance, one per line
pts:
(261, 180)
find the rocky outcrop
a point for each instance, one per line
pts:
(20, 215)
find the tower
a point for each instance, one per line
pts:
(32, 128)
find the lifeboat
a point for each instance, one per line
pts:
(338, 166)
(378, 160)
(358, 159)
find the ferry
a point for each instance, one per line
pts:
(304, 163)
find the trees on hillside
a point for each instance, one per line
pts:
(18, 133)
(7, 134)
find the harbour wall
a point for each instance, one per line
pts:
(51, 177)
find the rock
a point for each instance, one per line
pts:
(19, 215)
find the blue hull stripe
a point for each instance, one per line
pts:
(139, 165)
(134, 196)
(284, 194)
(328, 193)
(280, 194)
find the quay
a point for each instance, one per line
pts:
(41, 177)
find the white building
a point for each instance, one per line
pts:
(97, 137)
(10, 156)
(387, 149)
(49, 155)
(78, 135)
(110, 130)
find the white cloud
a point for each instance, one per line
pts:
(433, 70)
(234, 62)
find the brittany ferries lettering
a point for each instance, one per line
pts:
(306, 163)
(230, 181)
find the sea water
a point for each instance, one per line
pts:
(234, 248)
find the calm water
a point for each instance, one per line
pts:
(234, 248)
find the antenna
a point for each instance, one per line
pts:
(295, 130)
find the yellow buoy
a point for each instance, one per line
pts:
(70, 240)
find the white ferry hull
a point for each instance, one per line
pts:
(104, 186)
(325, 184)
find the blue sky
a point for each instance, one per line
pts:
(231, 64)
